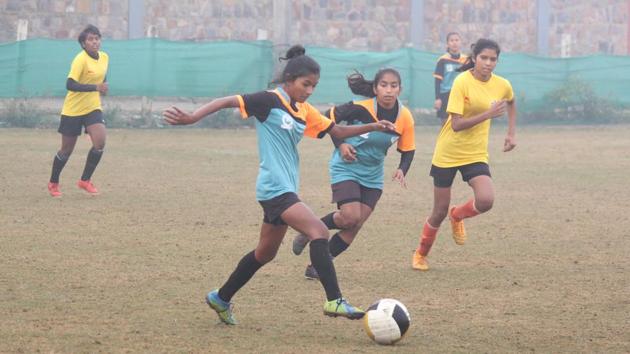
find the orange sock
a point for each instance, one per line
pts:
(428, 236)
(466, 210)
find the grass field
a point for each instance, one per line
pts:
(547, 270)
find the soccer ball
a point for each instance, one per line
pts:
(386, 321)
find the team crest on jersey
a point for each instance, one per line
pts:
(287, 122)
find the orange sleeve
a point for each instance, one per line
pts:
(407, 141)
(241, 107)
(316, 123)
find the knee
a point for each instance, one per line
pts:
(349, 220)
(483, 204)
(99, 146)
(264, 257)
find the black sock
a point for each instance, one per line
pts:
(94, 156)
(58, 163)
(337, 245)
(322, 261)
(244, 271)
(329, 221)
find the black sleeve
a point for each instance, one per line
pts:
(405, 160)
(72, 85)
(438, 82)
(439, 76)
(259, 104)
(341, 114)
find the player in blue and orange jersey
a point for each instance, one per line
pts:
(82, 109)
(446, 72)
(477, 97)
(356, 167)
(283, 117)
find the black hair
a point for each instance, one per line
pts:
(360, 86)
(87, 30)
(448, 36)
(298, 64)
(476, 48)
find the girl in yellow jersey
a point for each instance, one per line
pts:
(82, 108)
(476, 98)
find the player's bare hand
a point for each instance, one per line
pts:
(509, 144)
(400, 177)
(497, 109)
(348, 152)
(384, 126)
(103, 88)
(175, 116)
(437, 104)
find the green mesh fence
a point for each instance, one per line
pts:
(154, 67)
(145, 67)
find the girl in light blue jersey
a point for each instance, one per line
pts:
(357, 164)
(283, 117)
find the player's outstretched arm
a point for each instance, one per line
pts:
(176, 116)
(345, 131)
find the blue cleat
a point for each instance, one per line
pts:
(222, 308)
(340, 307)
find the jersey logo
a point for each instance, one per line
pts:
(365, 136)
(449, 68)
(287, 122)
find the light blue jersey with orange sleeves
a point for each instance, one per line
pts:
(371, 148)
(280, 126)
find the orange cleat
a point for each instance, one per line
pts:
(87, 186)
(457, 226)
(419, 262)
(53, 189)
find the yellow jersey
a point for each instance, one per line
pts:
(89, 71)
(469, 97)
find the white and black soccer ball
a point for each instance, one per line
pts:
(386, 321)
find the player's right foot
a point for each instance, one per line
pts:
(222, 308)
(457, 226)
(419, 262)
(53, 189)
(87, 186)
(340, 307)
(299, 243)
(310, 273)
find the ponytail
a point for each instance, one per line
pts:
(362, 87)
(298, 64)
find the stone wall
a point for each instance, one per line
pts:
(576, 27)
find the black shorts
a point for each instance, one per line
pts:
(350, 191)
(71, 126)
(274, 207)
(443, 177)
(441, 113)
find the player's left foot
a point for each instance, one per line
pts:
(87, 186)
(53, 189)
(457, 226)
(222, 308)
(419, 262)
(340, 307)
(310, 273)
(299, 243)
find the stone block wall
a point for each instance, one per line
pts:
(576, 27)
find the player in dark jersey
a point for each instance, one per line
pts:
(356, 167)
(283, 117)
(446, 72)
